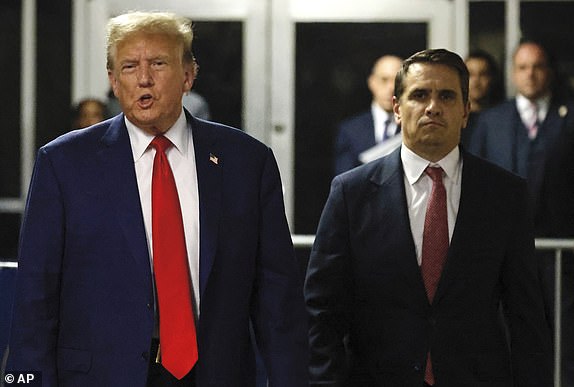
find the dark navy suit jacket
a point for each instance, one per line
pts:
(354, 136)
(500, 137)
(371, 321)
(84, 313)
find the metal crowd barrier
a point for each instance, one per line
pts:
(558, 245)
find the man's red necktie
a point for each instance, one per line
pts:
(435, 244)
(177, 334)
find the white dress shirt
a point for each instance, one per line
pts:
(380, 116)
(524, 105)
(418, 187)
(181, 158)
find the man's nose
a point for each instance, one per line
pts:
(144, 75)
(433, 107)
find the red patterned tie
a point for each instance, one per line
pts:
(177, 334)
(435, 244)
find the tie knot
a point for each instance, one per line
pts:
(161, 144)
(435, 173)
(534, 111)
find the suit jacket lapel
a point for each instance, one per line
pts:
(391, 208)
(465, 226)
(119, 177)
(209, 163)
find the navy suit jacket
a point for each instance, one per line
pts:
(355, 135)
(84, 313)
(371, 322)
(500, 137)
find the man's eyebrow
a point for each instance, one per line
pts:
(419, 90)
(160, 56)
(127, 59)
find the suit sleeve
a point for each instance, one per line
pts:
(278, 309)
(34, 332)
(345, 158)
(528, 328)
(328, 293)
(477, 136)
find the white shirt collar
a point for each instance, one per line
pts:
(177, 134)
(414, 165)
(542, 104)
(380, 113)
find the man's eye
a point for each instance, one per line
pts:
(418, 95)
(128, 67)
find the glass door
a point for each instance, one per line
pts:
(322, 52)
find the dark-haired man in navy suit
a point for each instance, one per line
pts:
(86, 308)
(391, 306)
(365, 130)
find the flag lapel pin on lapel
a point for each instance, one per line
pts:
(213, 158)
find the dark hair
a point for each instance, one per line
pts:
(496, 92)
(77, 108)
(434, 56)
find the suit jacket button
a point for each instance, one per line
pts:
(145, 356)
(148, 305)
(417, 368)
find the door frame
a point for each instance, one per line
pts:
(286, 13)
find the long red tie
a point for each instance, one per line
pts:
(435, 245)
(177, 334)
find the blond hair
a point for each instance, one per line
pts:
(122, 27)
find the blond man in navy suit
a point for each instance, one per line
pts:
(85, 305)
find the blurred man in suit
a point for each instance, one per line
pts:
(153, 241)
(369, 128)
(527, 135)
(415, 253)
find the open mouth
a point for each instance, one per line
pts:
(145, 100)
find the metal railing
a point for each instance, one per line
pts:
(558, 245)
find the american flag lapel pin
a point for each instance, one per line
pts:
(213, 158)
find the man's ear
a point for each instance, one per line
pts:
(397, 110)
(466, 114)
(113, 81)
(189, 77)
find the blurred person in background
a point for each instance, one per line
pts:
(87, 112)
(485, 87)
(365, 130)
